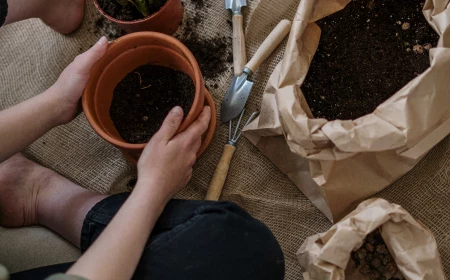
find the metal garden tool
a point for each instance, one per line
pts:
(237, 94)
(239, 55)
(220, 175)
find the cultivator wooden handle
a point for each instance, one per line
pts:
(220, 175)
(239, 54)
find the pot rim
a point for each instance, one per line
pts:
(134, 21)
(199, 82)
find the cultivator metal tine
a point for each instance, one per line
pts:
(252, 117)
(234, 139)
(238, 125)
(230, 128)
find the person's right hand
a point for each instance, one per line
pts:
(165, 165)
(70, 85)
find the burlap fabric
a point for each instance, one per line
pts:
(32, 56)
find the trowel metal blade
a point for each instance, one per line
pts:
(235, 5)
(235, 98)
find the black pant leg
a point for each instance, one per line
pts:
(218, 241)
(198, 240)
(41, 273)
(3, 11)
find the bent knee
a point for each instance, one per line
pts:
(217, 240)
(242, 240)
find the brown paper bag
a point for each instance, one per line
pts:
(412, 246)
(337, 164)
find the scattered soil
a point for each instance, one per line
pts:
(111, 30)
(142, 100)
(131, 183)
(128, 12)
(214, 55)
(373, 261)
(199, 3)
(367, 52)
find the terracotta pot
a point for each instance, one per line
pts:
(166, 20)
(124, 55)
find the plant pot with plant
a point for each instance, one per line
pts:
(143, 15)
(139, 80)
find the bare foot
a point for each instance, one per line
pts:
(63, 16)
(31, 194)
(21, 182)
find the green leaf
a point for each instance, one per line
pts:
(141, 5)
(122, 2)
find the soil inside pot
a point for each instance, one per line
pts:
(142, 100)
(367, 52)
(372, 261)
(128, 12)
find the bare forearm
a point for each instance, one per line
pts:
(24, 123)
(116, 252)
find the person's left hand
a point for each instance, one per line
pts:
(70, 85)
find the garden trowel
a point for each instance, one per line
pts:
(239, 55)
(237, 94)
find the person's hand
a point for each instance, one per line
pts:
(166, 163)
(71, 83)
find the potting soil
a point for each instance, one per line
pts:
(214, 55)
(199, 3)
(373, 261)
(142, 100)
(105, 27)
(367, 52)
(128, 12)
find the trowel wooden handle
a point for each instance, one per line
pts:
(239, 55)
(220, 175)
(270, 44)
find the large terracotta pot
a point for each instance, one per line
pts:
(124, 55)
(166, 20)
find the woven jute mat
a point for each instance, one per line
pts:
(32, 56)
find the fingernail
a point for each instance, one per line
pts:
(177, 111)
(103, 41)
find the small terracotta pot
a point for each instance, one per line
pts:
(124, 55)
(166, 20)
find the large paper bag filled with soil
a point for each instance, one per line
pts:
(341, 125)
(378, 240)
